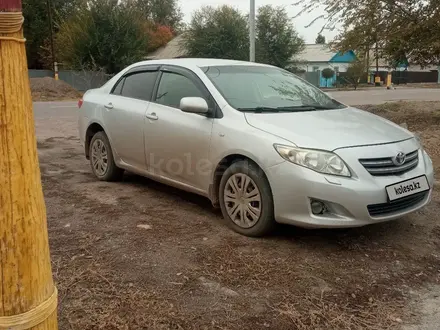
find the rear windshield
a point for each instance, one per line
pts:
(250, 87)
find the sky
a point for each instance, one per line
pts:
(309, 34)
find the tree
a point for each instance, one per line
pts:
(105, 35)
(375, 23)
(320, 39)
(28, 296)
(160, 12)
(276, 40)
(37, 27)
(355, 72)
(158, 36)
(327, 74)
(217, 33)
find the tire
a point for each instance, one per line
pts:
(111, 172)
(236, 176)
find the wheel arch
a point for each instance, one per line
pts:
(220, 169)
(92, 129)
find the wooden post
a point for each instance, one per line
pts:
(28, 297)
(438, 74)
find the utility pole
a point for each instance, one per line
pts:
(252, 31)
(28, 297)
(52, 46)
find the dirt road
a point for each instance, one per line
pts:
(140, 255)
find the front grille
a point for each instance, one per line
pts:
(396, 206)
(386, 166)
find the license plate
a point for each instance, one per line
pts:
(407, 188)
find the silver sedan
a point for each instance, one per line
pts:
(262, 144)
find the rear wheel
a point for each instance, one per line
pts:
(101, 159)
(246, 199)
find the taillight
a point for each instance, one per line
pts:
(80, 103)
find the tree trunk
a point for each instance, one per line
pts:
(27, 291)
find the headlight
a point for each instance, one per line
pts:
(320, 161)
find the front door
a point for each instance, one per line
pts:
(177, 143)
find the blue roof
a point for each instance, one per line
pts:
(346, 57)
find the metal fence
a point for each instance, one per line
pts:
(311, 77)
(80, 80)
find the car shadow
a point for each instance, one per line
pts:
(350, 238)
(166, 190)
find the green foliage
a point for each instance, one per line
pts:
(104, 36)
(320, 39)
(217, 33)
(161, 12)
(277, 40)
(223, 33)
(37, 27)
(375, 24)
(328, 73)
(355, 72)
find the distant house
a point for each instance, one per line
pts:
(317, 57)
(173, 49)
(314, 58)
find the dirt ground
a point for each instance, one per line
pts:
(49, 89)
(140, 255)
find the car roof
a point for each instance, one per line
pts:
(198, 62)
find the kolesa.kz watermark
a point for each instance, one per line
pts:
(409, 187)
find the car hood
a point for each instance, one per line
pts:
(329, 129)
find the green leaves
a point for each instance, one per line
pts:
(103, 36)
(100, 34)
(217, 33)
(224, 33)
(327, 73)
(277, 39)
(400, 28)
(320, 39)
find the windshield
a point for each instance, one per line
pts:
(267, 89)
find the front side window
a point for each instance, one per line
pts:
(139, 85)
(173, 87)
(267, 89)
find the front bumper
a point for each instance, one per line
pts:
(294, 187)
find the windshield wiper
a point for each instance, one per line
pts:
(294, 108)
(306, 107)
(259, 109)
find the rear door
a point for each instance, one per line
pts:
(124, 114)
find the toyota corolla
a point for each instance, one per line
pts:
(262, 144)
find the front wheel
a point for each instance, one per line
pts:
(246, 199)
(101, 159)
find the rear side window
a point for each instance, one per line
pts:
(138, 85)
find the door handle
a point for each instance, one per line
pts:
(152, 116)
(109, 106)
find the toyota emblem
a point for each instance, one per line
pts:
(399, 159)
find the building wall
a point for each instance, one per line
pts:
(309, 67)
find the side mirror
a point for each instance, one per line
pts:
(194, 105)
